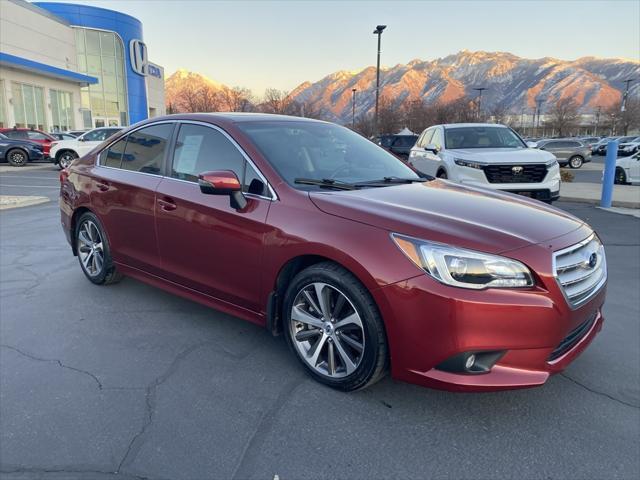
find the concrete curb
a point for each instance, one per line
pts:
(596, 201)
(5, 168)
(12, 201)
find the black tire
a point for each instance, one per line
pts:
(17, 157)
(107, 273)
(442, 174)
(620, 177)
(64, 158)
(373, 361)
(576, 161)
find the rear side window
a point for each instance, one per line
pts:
(202, 149)
(37, 136)
(146, 148)
(19, 134)
(112, 156)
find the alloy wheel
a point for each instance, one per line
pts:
(17, 158)
(90, 248)
(327, 330)
(66, 159)
(576, 162)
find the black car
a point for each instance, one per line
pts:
(19, 152)
(399, 145)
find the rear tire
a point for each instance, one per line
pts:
(620, 177)
(334, 328)
(442, 174)
(576, 161)
(65, 158)
(93, 250)
(17, 157)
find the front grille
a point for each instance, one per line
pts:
(515, 173)
(573, 338)
(581, 270)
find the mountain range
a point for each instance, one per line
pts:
(512, 83)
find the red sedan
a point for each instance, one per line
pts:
(310, 230)
(31, 135)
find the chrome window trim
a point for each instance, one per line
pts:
(596, 288)
(274, 195)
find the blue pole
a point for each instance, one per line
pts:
(609, 173)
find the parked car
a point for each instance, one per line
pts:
(399, 145)
(62, 136)
(32, 135)
(589, 141)
(628, 147)
(66, 151)
(486, 155)
(19, 152)
(76, 133)
(567, 151)
(601, 148)
(311, 230)
(628, 170)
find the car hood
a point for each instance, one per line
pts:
(445, 212)
(503, 155)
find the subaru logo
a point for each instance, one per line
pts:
(593, 260)
(138, 56)
(517, 170)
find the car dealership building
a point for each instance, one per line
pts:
(73, 67)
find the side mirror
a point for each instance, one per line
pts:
(432, 148)
(223, 182)
(80, 139)
(532, 144)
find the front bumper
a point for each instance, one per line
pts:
(428, 323)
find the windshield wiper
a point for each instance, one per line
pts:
(325, 183)
(393, 181)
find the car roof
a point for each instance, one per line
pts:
(236, 117)
(461, 125)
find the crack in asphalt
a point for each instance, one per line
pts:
(264, 425)
(54, 360)
(597, 392)
(150, 400)
(19, 470)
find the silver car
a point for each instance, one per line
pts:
(567, 151)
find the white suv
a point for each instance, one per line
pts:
(487, 155)
(64, 152)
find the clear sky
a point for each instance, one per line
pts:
(259, 44)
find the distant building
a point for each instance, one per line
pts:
(66, 66)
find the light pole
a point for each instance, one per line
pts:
(538, 103)
(378, 31)
(595, 130)
(353, 108)
(623, 107)
(479, 90)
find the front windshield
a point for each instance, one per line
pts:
(320, 151)
(481, 137)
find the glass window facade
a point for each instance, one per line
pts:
(101, 55)
(61, 110)
(28, 106)
(3, 106)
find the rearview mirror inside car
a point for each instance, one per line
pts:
(223, 182)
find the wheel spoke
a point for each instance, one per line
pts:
(312, 301)
(337, 308)
(87, 259)
(82, 235)
(351, 342)
(300, 315)
(322, 292)
(349, 364)
(304, 335)
(353, 319)
(314, 353)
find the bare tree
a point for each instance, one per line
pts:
(563, 115)
(278, 101)
(389, 115)
(237, 99)
(630, 118)
(499, 113)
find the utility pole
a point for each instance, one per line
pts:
(538, 104)
(353, 108)
(479, 90)
(595, 129)
(378, 31)
(623, 107)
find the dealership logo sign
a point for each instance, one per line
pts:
(139, 57)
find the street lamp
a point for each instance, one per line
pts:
(538, 104)
(623, 107)
(378, 31)
(353, 108)
(479, 90)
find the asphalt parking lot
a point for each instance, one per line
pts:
(127, 381)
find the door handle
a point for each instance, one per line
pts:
(103, 187)
(167, 205)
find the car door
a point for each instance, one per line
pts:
(205, 244)
(422, 160)
(634, 168)
(124, 194)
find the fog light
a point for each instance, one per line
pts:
(471, 359)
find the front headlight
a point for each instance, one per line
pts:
(468, 163)
(464, 268)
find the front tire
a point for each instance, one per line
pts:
(576, 161)
(333, 326)
(65, 158)
(93, 250)
(442, 174)
(17, 157)
(620, 177)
